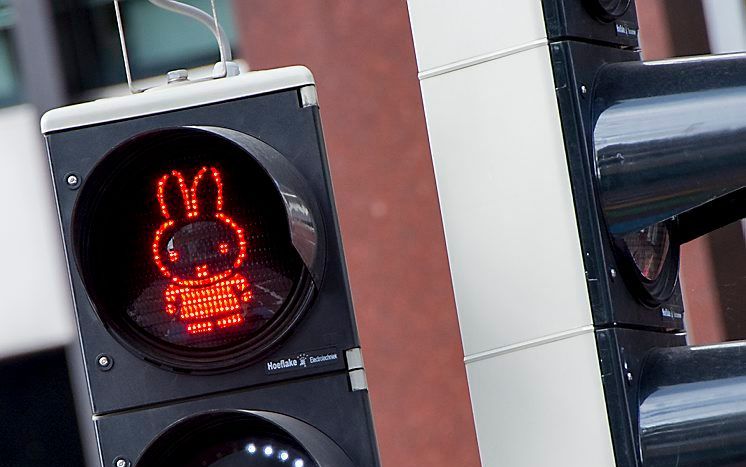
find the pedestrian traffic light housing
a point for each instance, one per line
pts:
(208, 274)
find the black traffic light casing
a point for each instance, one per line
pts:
(592, 76)
(655, 145)
(613, 296)
(271, 116)
(626, 328)
(668, 146)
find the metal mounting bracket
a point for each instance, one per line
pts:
(225, 68)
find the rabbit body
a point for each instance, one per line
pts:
(199, 306)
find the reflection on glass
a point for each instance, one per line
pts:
(649, 249)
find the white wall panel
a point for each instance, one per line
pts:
(726, 25)
(505, 196)
(542, 406)
(447, 31)
(36, 305)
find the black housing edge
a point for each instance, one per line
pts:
(626, 329)
(613, 303)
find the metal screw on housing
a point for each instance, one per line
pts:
(121, 462)
(104, 362)
(72, 180)
(628, 373)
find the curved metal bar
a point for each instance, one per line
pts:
(226, 54)
(223, 69)
(221, 41)
(125, 53)
(669, 137)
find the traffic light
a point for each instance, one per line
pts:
(668, 160)
(208, 276)
(661, 145)
(589, 168)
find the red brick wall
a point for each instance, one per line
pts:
(362, 56)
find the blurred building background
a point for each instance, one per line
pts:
(54, 52)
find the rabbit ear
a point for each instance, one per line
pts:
(173, 196)
(207, 192)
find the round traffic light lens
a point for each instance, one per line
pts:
(226, 440)
(649, 259)
(184, 245)
(256, 451)
(649, 250)
(608, 10)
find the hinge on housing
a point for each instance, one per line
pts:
(308, 96)
(356, 367)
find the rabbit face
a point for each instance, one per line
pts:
(197, 244)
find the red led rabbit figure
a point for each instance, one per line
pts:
(200, 249)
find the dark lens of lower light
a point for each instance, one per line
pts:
(649, 250)
(226, 440)
(608, 9)
(254, 451)
(610, 5)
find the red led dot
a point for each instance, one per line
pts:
(173, 255)
(223, 248)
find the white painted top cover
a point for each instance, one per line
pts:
(175, 97)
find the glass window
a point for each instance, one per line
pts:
(158, 40)
(157, 37)
(9, 79)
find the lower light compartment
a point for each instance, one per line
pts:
(315, 422)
